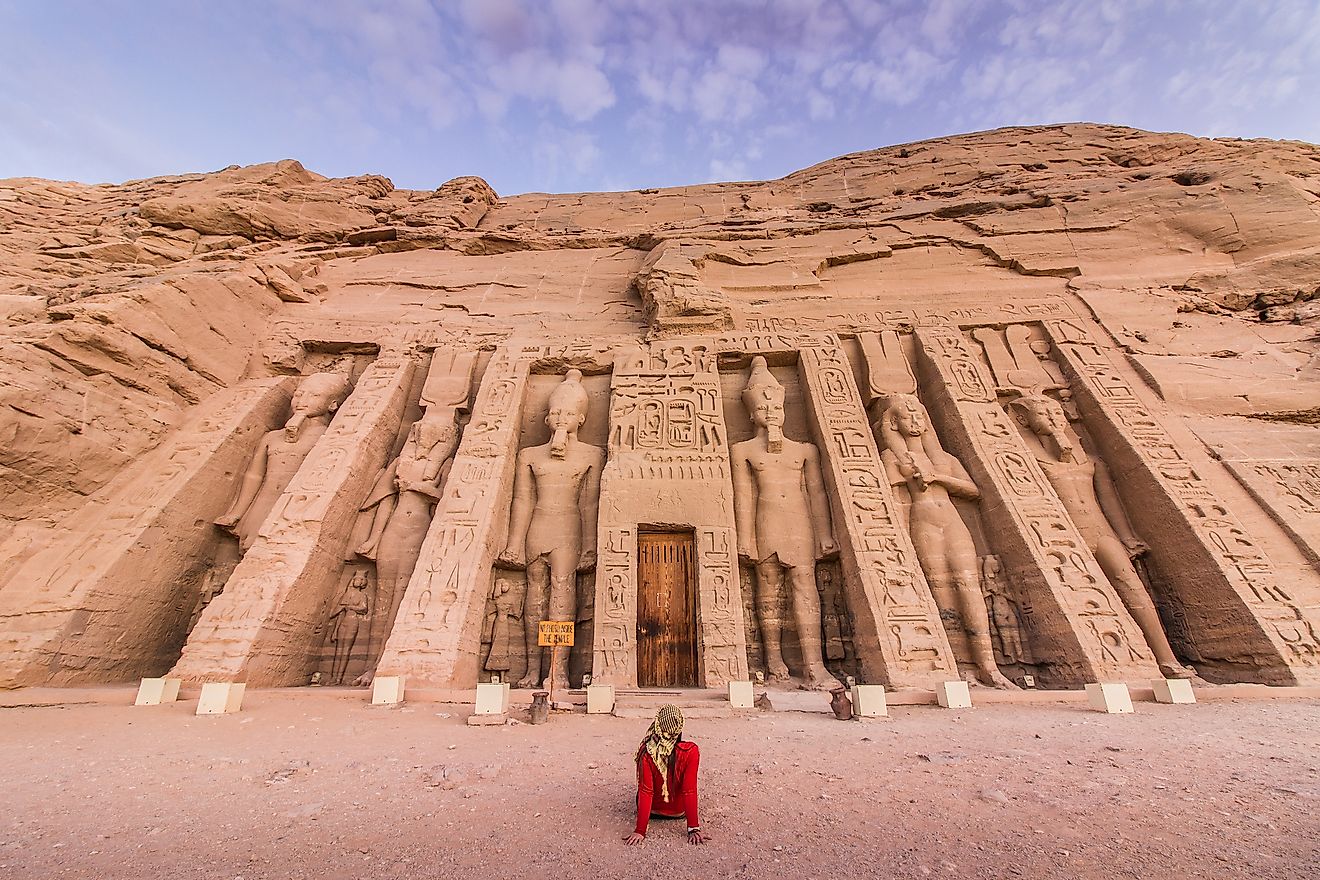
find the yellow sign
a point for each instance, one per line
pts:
(555, 633)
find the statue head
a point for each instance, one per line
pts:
(319, 394)
(567, 412)
(907, 415)
(358, 580)
(764, 398)
(1044, 417)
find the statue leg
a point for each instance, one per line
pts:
(538, 586)
(806, 615)
(1114, 561)
(769, 583)
(960, 554)
(563, 606)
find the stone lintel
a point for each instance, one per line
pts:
(1079, 629)
(261, 629)
(897, 631)
(111, 599)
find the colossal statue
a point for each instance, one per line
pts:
(1088, 494)
(552, 524)
(402, 502)
(281, 453)
(783, 522)
(915, 459)
(345, 623)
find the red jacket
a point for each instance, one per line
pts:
(682, 787)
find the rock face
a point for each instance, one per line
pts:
(1041, 401)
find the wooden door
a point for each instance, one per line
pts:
(666, 610)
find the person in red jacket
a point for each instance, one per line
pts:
(667, 777)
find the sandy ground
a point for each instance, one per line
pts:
(327, 787)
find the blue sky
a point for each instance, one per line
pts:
(570, 95)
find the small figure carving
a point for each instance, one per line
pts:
(783, 521)
(404, 499)
(502, 615)
(914, 458)
(552, 525)
(281, 453)
(1005, 624)
(345, 622)
(1088, 494)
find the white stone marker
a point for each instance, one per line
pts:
(954, 695)
(387, 690)
(869, 701)
(154, 691)
(221, 698)
(741, 695)
(1173, 690)
(492, 698)
(1111, 697)
(600, 699)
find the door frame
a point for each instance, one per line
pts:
(688, 535)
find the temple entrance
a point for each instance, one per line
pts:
(666, 610)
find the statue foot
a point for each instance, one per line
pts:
(818, 678)
(559, 683)
(778, 674)
(997, 679)
(529, 682)
(1177, 670)
(364, 680)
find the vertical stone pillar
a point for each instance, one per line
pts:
(110, 600)
(1239, 617)
(436, 638)
(897, 630)
(668, 463)
(260, 629)
(1080, 630)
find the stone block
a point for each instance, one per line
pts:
(154, 691)
(387, 690)
(741, 695)
(221, 698)
(600, 699)
(953, 695)
(492, 698)
(487, 720)
(1173, 690)
(868, 701)
(799, 701)
(1111, 697)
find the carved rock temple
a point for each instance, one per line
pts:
(1033, 404)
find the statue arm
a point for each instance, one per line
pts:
(247, 493)
(820, 504)
(520, 515)
(590, 506)
(439, 454)
(956, 479)
(1107, 494)
(744, 506)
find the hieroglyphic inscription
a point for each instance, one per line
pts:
(903, 319)
(1073, 606)
(898, 635)
(668, 462)
(1240, 567)
(436, 636)
(1290, 490)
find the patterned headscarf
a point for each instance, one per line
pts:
(660, 741)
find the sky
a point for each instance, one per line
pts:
(588, 95)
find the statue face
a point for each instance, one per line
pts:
(317, 395)
(909, 418)
(768, 412)
(563, 417)
(1045, 416)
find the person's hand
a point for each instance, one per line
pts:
(634, 839)
(697, 838)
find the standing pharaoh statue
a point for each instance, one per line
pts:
(281, 453)
(404, 499)
(783, 521)
(552, 525)
(346, 622)
(1088, 494)
(915, 459)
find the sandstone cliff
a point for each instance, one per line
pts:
(123, 306)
